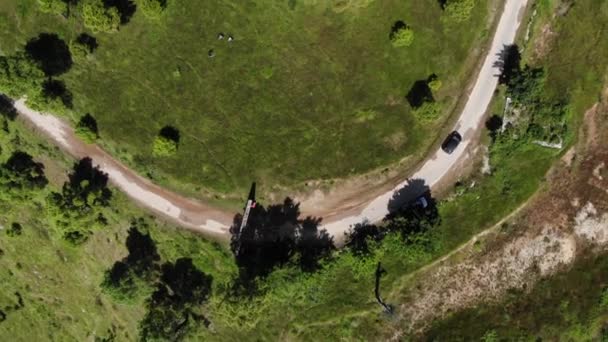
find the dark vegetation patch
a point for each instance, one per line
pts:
(126, 8)
(89, 41)
(56, 89)
(419, 94)
(171, 133)
(274, 237)
(51, 52)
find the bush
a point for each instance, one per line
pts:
(164, 147)
(165, 144)
(152, 8)
(20, 75)
(428, 111)
(99, 18)
(87, 129)
(14, 230)
(403, 37)
(435, 84)
(458, 11)
(53, 6)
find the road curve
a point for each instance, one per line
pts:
(203, 218)
(470, 120)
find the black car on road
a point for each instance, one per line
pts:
(451, 142)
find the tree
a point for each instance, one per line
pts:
(20, 75)
(152, 8)
(81, 202)
(99, 18)
(275, 237)
(402, 37)
(84, 46)
(87, 188)
(166, 143)
(176, 302)
(21, 172)
(126, 279)
(163, 147)
(51, 53)
(86, 129)
(458, 11)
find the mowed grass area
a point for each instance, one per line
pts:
(307, 89)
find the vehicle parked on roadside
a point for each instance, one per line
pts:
(451, 142)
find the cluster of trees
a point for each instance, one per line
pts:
(177, 290)
(32, 72)
(277, 237)
(412, 213)
(127, 278)
(21, 176)
(79, 208)
(104, 15)
(421, 99)
(543, 119)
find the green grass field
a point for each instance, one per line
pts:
(307, 89)
(60, 284)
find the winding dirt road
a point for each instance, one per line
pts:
(206, 219)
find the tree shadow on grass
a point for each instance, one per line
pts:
(509, 63)
(398, 25)
(170, 133)
(359, 236)
(493, 125)
(51, 53)
(7, 108)
(175, 306)
(88, 41)
(274, 237)
(419, 94)
(56, 89)
(126, 8)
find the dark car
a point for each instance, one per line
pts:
(451, 142)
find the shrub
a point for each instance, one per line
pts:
(404, 36)
(164, 147)
(165, 144)
(152, 8)
(435, 84)
(99, 18)
(428, 111)
(53, 6)
(14, 230)
(20, 75)
(87, 129)
(458, 11)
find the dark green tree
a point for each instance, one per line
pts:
(176, 303)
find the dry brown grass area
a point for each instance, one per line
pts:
(566, 219)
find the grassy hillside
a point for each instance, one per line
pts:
(306, 90)
(52, 289)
